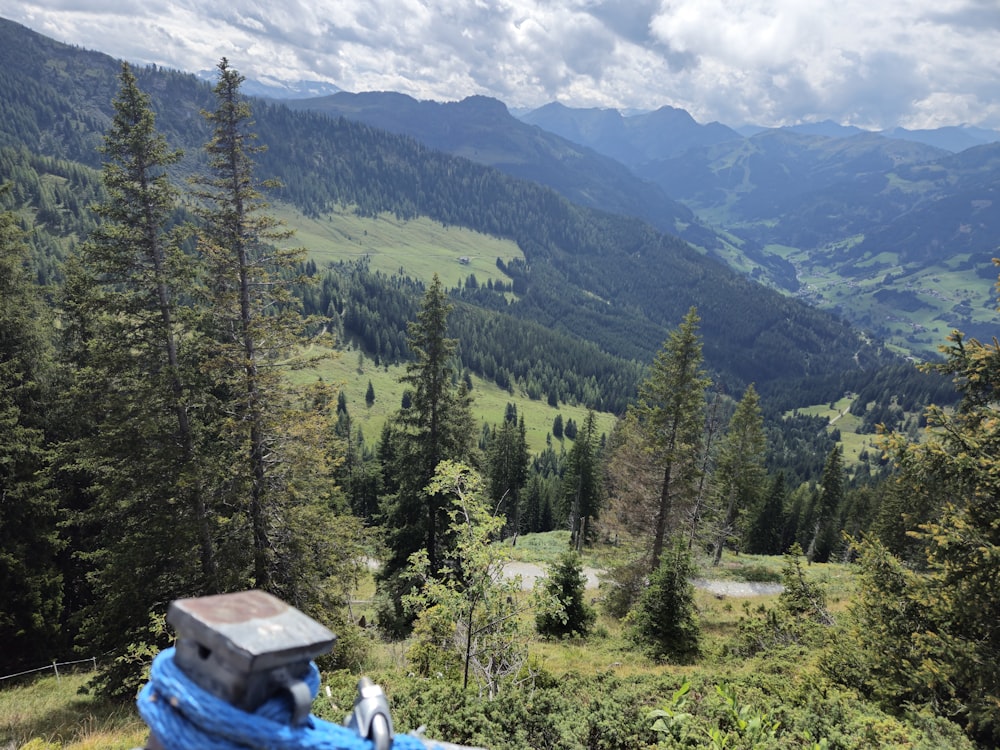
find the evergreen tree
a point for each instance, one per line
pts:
(274, 439)
(581, 487)
(565, 612)
(30, 582)
(764, 534)
(741, 472)
(370, 394)
(663, 621)
(933, 637)
(436, 427)
(507, 467)
(671, 412)
(827, 505)
(140, 368)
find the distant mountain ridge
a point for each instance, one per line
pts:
(669, 131)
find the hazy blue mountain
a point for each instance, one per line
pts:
(952, 138)
(633, 139)
(826, 128)
(752, 180)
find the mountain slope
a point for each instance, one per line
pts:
(603, 278)
(481, 129)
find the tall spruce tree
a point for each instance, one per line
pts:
(740, 471)
(275, 439)
(507, 462)
(138, 372)
(671, 413)
(827, 505)
(582, 485)
(30, 582)
(437, 426)
(931, 638)
(767, 520)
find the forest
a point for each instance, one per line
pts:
(157, 444)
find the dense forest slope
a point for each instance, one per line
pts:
(608, 279)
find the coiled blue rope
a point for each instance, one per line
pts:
(184, 716)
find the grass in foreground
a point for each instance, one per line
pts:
(50, 714)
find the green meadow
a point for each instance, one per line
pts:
(350, 371)
(419, 247)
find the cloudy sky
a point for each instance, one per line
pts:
(871, 63)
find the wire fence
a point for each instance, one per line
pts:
(54, 666)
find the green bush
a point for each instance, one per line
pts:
(564, 610)
(663, 622)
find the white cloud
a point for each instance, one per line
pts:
(908, 62)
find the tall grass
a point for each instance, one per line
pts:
(50, 713)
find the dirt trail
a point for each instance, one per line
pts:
(530, 572)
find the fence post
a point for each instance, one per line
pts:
(55, 669)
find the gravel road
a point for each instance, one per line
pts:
(530, 572)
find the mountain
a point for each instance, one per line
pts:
(894, 234)
(632, 140)
(483, 130)
(951, 138)
(602, 278)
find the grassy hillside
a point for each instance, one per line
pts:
(351, 371)
(419, 247)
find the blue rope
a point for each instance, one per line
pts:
(184, 716)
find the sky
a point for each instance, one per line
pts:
(876, 64)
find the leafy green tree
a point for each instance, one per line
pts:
(30, 580)
(565, 611)
(582, 485)
(741, 472)
(664, 620)
(470, 590)
(671, 412)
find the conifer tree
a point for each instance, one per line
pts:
(138, 371)
(565, 612)
(437, 426)
(582, 486)
(740, 470)
(828, 502)
(767, 520)
(664, 621)
(507, 463)
(30, 582)
(933, 637)
(671, 412)
(273, 439)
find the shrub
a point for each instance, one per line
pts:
(664, 619)
(565, 611)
